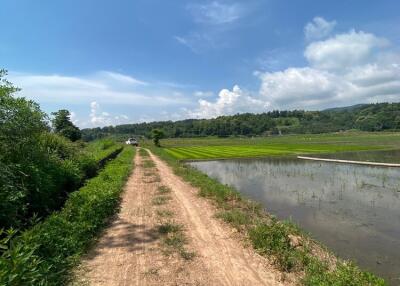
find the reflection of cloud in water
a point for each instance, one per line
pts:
(355, 210)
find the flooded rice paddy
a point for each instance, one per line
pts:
(354, 210)
(386, 156)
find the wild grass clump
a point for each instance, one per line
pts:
(165, 213)
(175, 239)
(147, 164)
(236, 217)
(163, 190)
(345, 274)
(169, 227)
(44, 254)
(155, 179)
(272, 237)
(143, 153)
(160, 200)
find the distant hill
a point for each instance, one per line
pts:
(346, 108)
(365, 117)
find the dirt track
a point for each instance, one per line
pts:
(132, 252)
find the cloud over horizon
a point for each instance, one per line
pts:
(341, 69)
(344, 69)
(101, 88)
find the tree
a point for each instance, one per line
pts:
(157, 135)
(62, 125)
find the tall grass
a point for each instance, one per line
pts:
(44, 254)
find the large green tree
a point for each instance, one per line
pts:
(63, 125)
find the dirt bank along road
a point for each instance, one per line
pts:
(165, 234)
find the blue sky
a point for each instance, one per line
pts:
(113, 62)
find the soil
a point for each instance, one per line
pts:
(132, 251)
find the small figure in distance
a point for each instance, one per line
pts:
(132, 141)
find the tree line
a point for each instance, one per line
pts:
(364, 117)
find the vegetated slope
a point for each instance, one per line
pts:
(44, 254)
(166, 235)
(365, 117)
(40, 164)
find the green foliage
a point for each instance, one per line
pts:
(22, 260)
(38, 168)
(44, 254)
(157, 135)
(345, 274)
(273, 238)
(63, 125)
(235, 217)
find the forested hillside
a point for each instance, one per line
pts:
(364, 117)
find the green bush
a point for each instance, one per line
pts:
(44, 254)
(38, 168)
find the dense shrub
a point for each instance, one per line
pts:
(38, 168)
(44, 254)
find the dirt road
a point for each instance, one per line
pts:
(166, 235)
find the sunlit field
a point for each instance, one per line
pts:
(211, 148)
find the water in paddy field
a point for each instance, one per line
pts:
(388, 156)
(352, 209)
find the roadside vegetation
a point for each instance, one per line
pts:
(44, 254)
(292, 250)
(50, 209)
(39, 163)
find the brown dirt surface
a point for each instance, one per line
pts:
(132, 251)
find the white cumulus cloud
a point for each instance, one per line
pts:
(345, 69)
(103, 118)
(228, 102)
(345, 50)
(295, 87)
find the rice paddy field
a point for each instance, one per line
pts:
(220, 148)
